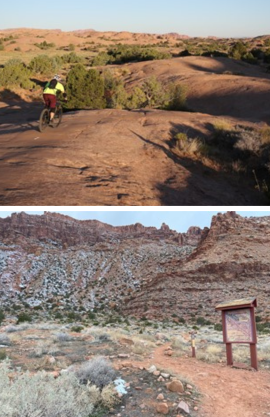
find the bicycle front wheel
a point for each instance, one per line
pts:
(44, 120)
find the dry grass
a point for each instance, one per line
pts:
(186, 145)
(222, 125)
(265, 135)
(212, 353)
(238, 166)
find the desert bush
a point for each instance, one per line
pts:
(3, 354)
(85, 89)
(103, 58)
(22, 317)
(263, 327)
(45, 45)
(5, 340)
(218, 327)
(72, 58)
(137, 99)
(130, 53)
(12, 329)
(114, 91)
(45, 65)
(266, 59)
(63, 337)
(91, 315)
(250, 58)
(265, 135)
(2, 316)
(153, 91)
(238, 50)
(15, 73)
(77, 329)
(73, 316)
(61, 397)
(98, 372)
(176, 97)
(2, 47)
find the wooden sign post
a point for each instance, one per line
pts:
(239, 326)
(193, 350)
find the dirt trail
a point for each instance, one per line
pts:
(226, 391)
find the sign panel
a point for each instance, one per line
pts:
(239, 326)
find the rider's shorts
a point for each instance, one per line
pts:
(50, 101)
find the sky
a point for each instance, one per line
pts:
(230, 18)
(177, 219)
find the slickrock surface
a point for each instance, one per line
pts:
(118, 157)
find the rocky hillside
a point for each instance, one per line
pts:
(231, 262)
(56, 263)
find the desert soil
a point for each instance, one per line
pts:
(226, 391)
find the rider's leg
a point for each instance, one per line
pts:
(52, 106)
(52, 113)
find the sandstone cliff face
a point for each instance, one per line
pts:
(66, 231)
(231, 261)
(59, 263)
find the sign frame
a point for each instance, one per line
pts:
(238, 321)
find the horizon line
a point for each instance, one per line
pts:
(146, 33)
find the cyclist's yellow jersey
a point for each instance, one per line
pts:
(58, 87)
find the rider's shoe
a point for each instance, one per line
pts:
(51, 122)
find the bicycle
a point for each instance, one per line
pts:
(44, 119)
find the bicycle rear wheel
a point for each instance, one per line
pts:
(58, 116)
(44, 120)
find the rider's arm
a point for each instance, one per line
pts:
(60, 87)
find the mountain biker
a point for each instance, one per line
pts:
(50, 92)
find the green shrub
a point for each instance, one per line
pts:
(72, 58)
(76, 329)
(218, 327)
(238, 50)
(103, 58)
(176, 97)
(267, 56)
(153, 91)
(91, 315)
(85, 89)
(2, 46)
(15, 73)
(3, 354)
(22, 317)
(201, 321)
(45, 45)
(2, 316)
(45, 65)
(131, 53)
(114, 91)
(137, 99)
(263, 327)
